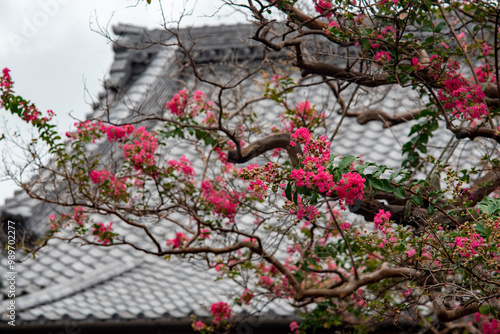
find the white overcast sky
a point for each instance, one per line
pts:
(56, 60)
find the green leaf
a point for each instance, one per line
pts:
(400, 192)
(482, 230)
(313, 199)
(484, 309)
(380, 170)
(490, 205)
(376, 183)
(295, 198)
(361, 168)
(440, 27)
(288, 191)
(387, 186)
(345, 162)
(417, 199)
(366, 44)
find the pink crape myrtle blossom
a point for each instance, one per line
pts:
(488, 326)
(224, 204)
(141, 152)
(301, 135)
(178, 241)
(103, 234)
(99, 176)
(485, 72)
(465, 100)
(411, 252)
(204, 233)
(183, 106)
(350, 188)
(221, 312)
(314, 175)
(183, 166)
(381, 219)
(382, 57)
(259, 188)
(199, 326)
(246, 296)
(323, 6)
(111, 184)
(294, 327)
(467, 246)
(78, 216)
(6, 80)
(266, 282)
(117, 133)
(345, 225)
(178, 103)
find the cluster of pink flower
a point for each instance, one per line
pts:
(114, 186)
(30, 113)
(382, 223)
(221, 312)
(78, 216)
(310, 212)
(198, 326)
(485, 72)
(178, 103)
(488, 326)
(486, 49)
(224, 204)
(332, 26)
(382, 57)
(350, 188)
(246, 296)
(258, 188)
(467, 246)
(141, 152)
(87, 129)
(266, 282)
(181, 106)
(316, 156)
(204, 233)
(54, 223)
(117, 133)
(304, 115)
(99, 177)
(381, 219)
(463, 99)
(178, 241)
(94, 131)
(183, 166)
(323, 6)
(294, 328)
(103, 234)
(6, 81)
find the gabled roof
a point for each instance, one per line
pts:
(91, 286)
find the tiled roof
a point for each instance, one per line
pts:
(92, 285)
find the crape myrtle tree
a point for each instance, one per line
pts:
(423, 254)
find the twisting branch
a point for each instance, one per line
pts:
(271, 142)
(364, 116)
(354, 284)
